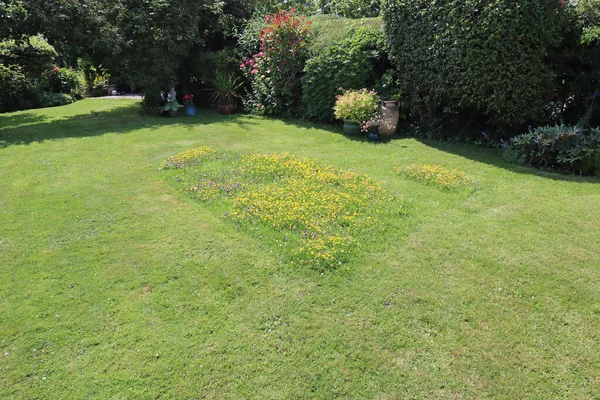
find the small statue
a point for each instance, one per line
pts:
(172, 94)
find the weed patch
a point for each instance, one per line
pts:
(437, 175)
(321, 216)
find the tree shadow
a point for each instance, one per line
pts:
(337, 128)
(29, 127)
(15, 120)
(493, 157)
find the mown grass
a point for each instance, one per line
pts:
(114, 284)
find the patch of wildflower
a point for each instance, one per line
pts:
(437, 175)
(318, 213)
(209, 189)
(192, 156)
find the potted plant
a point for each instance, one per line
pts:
(372, 127)
(390, 95)
(224, 92)
(172, 108)
(188, 103)
(355, 107)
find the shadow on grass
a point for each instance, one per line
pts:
(493, 157)
(337, 129)
(23, 128)
(8, 121)
(29, 127)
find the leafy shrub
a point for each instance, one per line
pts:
(248, 39)
(51, 99)
(331, 29)
(357, 105)
(470, 58)
(34, 56)
(316, 213)
(152, 102)
(562, 147)
(13, 86)
(578, 66)
(437, 175)
(348, 63)
(66, 80)
(99, 84)
(351, 8)
(589, 12)
(273, 71)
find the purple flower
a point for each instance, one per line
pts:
(485, 136)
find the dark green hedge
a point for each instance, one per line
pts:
(346, 58)
(476, 58)
(13, 85)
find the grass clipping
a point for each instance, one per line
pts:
(319, 215)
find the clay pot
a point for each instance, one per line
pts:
(391, 115)
(227, 109)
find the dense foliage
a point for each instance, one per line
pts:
(144, 44)
(34, 55)
(473, 58)
(13, 84)
(52, 99)
(25, 65)
(578, 66)
(351, 8)
(273, 72)
(561, 147)
(12, 14)
(206, 66)
(348, 63)
(65, 80)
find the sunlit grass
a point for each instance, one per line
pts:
(116, 284)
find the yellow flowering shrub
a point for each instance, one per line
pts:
(437, 175)
(316, 212)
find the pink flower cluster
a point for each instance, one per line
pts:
(252, 64)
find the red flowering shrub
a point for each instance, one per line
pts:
(273, 71)
(188, 100)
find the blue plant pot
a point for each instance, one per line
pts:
(373, 136)
(191, 111)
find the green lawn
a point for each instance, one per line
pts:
(114, 284)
